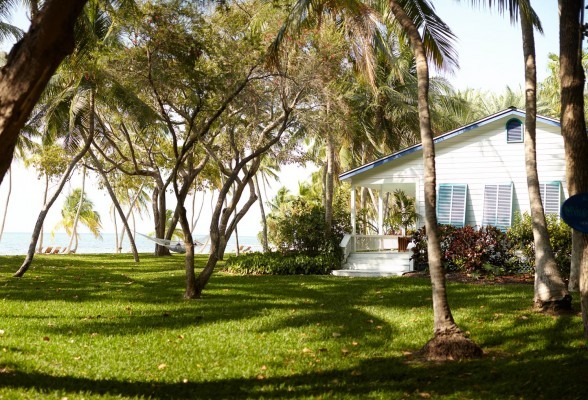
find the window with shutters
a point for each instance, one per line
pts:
(514, 131)
(498, 205)
(551, 197)
(451, 204)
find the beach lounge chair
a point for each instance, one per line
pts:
(56, 250)
(48, 250)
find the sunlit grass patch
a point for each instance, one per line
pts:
(101, 327)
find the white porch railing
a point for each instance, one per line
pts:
(367, 243)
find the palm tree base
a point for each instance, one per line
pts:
(561, 306)
(449, 346)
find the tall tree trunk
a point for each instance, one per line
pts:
(329, 185)
(129, 214)
(30, 65)
(117, 243)
(576, 261)
(74, 232)
(45, 193)
(264, 240)
(116, 203)
(448, 342)
(573, 123)
(196, 217)
(550, 289)
(6, 204)
(159, 207)
(189, 256)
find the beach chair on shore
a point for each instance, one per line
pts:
(56, 250)
(48, 250)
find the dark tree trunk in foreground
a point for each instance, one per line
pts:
(573, 123)
(449, 342)
(30, 65)
(550, 289)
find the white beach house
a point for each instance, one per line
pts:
(481, 180)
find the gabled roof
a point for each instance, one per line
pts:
(484, 121)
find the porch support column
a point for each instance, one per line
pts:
(353, 211)
(381, 211)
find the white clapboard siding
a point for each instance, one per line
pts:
(479, 156)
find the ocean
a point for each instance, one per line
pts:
(13, 243)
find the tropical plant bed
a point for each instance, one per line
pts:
(463, 277)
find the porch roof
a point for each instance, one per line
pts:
(489, 119)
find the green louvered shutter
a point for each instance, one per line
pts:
(498, 205)
(451, 204)
(514, 131)
(551, 197)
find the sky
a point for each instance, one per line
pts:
(490, 58)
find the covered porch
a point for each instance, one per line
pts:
(373, 248)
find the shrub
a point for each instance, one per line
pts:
(299, 225)
(467, 249)
(560, 237)
(282, 264)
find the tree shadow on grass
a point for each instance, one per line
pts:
(520, 377)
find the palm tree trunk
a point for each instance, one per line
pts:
(7, 201)
(116, 203)
(116, 241)
(74, 232)
(550, 289)
(40, 247)
(573, 123)
(264, 241)
(448, 342)
(329, 185)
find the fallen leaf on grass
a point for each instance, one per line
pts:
(336, 334)
(306, 350)
(424, 395)
(46, 338)
(162, 366)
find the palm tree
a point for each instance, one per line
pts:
(573, 123)
(448, 341)
(413, 17)
(550, 289)
(78, 207)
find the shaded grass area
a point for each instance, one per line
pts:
(103, 327)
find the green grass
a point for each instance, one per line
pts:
(102, 327)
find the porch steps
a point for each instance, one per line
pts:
(375, 264)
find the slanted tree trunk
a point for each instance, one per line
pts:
(448, 342)
(6, 204)
(41, 218)
(45, 192)
(77, 217)
(329, 184)
(116, 203)
(550, 290)
(573, 123)
(158, 204)
(264, 240)
(30, 65)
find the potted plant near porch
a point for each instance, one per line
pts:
(402, 215)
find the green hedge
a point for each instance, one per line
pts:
(280, 264)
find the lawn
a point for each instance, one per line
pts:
(102, 327)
